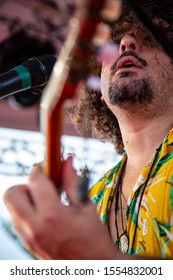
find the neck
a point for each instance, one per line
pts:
(141, 138)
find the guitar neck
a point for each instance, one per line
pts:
(70, 69)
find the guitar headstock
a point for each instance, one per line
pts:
(72, 67)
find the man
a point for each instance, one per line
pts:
(134, 199)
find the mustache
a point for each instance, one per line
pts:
(128, 53)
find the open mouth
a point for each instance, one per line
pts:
(128, 62)
(128, 65)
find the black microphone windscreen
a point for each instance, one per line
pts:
(40, 68)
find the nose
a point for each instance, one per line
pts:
(129, 43)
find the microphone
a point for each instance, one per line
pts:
(32, 73)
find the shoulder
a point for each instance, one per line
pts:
(107, 181)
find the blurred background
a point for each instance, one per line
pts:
(31, 28)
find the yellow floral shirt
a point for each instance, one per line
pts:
(149, 213)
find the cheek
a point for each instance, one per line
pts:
(105, 80)
(163, 67)
(163, 74)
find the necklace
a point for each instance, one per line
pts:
(123, 239)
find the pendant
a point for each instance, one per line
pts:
(124, 243)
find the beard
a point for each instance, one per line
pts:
(134, 93)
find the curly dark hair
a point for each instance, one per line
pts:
(91, 113)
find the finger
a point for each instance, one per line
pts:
(20, 204)
(43, 191)
(29, 239)
(70, 181)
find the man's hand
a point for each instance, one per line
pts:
(51, 230)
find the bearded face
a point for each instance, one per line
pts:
(138, 79)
